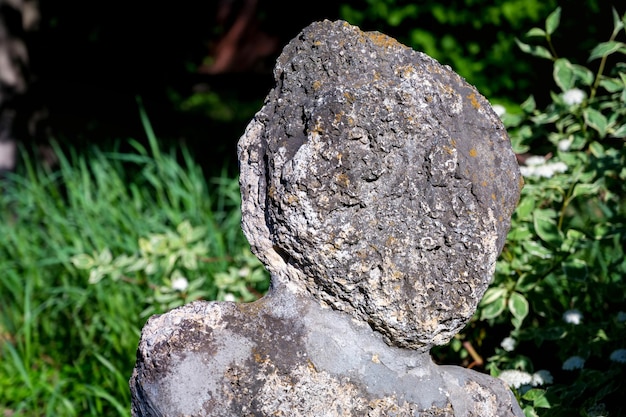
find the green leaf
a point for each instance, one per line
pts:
(596, 120)
(536, 32)
(82, 261)
(105, 256)
(493, 294)
(535, 50)
(585, 189)
(553, 20)
(518, 305)
(537, 397)
(184, 230)
(596, 149)
(563, 74)
(620, 132)
(618, 24)
(584, 74)
(529, 105)
(493, 309)
(525, 208)
(612, 85)
(604, 49)
(546, 229)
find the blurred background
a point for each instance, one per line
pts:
(71, 70)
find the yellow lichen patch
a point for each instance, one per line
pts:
(405, 71)
(449, 151)
(473, 153)
(349, 97)
(483, 183)
(292, 199)
(317, 85)
(343, 180)
(382, 40)
(493, 197)
(474, 101)
(338, 117)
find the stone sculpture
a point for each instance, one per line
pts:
(377, 188)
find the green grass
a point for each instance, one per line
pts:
(67, 347)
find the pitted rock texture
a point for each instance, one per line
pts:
(285, 355)
(378, 181)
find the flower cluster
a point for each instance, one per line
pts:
(539, 166)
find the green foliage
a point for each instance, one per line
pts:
(88, 251)
(559, 285)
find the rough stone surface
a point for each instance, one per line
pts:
(285, 355)
(377, 188)
(378, 181)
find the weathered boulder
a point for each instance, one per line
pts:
(377, 188)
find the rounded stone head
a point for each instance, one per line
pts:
(379, 182)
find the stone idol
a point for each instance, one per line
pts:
(377, 188)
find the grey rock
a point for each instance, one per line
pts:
(378, 181)
(285, 355)
(377, 188)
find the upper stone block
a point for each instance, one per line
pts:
(379, 182)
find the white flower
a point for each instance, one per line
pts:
(542, 377)
(574, 362)
(508, 344)
(621, 316)
(499, 109)
(180, 284)
(536, 166)
(618, 355)
(573, 96)
(564, 144)
(535, 160)
(515, 378)
(229, 297)
(573, 316)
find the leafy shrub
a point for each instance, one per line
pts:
(92, 248)
(559, 289)
(474, 36)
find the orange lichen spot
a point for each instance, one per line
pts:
(473, 153)
(493, 197)
(338, 117)
(382, 40)
(349, 97)
(317, 43)
(474, 101)
(453, 142)
(292, 199)
(449, 151)
(343, 180)
(484, 183)
(317, 85)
